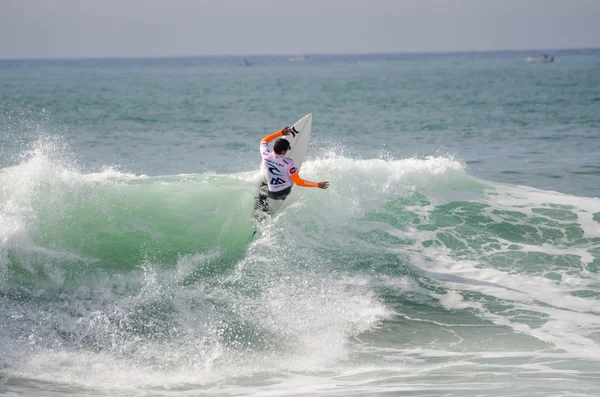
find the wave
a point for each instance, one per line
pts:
(54, 213)
(112, 270)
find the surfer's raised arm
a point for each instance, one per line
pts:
(269, 138)
(264, 143)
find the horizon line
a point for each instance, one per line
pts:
(318, 54)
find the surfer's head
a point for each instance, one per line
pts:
(281, 145)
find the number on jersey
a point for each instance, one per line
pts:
(277, 181)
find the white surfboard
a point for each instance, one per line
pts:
(298, 138)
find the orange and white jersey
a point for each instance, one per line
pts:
(277, 169)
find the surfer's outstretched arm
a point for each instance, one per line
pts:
(264, 143)
(269, 138)
(301, 182)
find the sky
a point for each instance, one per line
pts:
(156, 28)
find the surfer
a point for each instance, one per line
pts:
(280, 172)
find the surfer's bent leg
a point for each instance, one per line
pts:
(261, 204)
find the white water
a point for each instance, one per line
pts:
(348, 292)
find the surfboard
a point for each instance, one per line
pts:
(299, 139)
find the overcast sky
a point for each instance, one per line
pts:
(138, 28)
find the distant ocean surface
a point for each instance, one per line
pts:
(456, 252)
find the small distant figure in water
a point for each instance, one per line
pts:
(245, 62)
(280, 171)
(544, 59)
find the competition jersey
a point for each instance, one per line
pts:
(277, 169)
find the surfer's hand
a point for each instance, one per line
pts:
(323, 185)
(286, 130)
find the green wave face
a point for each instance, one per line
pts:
(119, 223)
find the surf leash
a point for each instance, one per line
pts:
(251, 237)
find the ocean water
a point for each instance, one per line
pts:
(456, 252)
